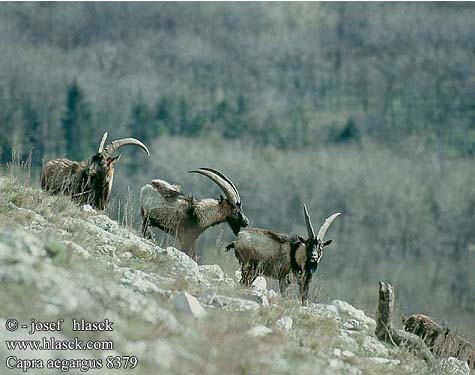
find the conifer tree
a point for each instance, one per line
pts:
(76, 124)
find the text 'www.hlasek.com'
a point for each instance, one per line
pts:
(25, 353)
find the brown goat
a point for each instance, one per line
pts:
(440, 340)
(166, 207)
(89, 181)
(278, 255)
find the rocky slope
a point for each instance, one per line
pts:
(62, 261)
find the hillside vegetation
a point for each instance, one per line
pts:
(62, 261)
(363, 108)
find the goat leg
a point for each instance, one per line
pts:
(304, 284)
(283, 285)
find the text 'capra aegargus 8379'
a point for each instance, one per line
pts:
(89, 181)
(166, 207)
(263, 252)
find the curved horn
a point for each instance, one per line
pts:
(224, 177)
(310, 231)
(221, 182)
(109, 150)
(101, 145)
(326, 225)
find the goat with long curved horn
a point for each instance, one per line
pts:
(88, 181)
(164, 206)
(323, 229)
(308, 222)
(222, 181)
(101, 145)
(223, 176)
(115, 145)
(277, 255)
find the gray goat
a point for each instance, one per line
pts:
(166, 207)
(89, 181)
(264, 252)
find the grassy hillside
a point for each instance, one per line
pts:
(60, 261)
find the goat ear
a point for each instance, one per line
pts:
(302, 239)
(221, 198)
(326, 243)
(112, 160)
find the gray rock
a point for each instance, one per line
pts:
(24, 264)
(259, 331)
(106, 250)
(18, 246)
(368, 344)
(87, 208)
(35, 222)
(105, 223)
(237, 274)
(347, 354)
(142, 282)
(178, 264)
(338, 366)
(235, 304)
(126, 255)
(258, 297)
(384, 361)
(453, 366)
(354, 325)
(259, 284)
(215, 274)
(189, 305)
(128, 302)
(348, 312)
(213, 271)
(328, 311)
(271, 294)
(347, 339)
(285, 324)
(207, 296)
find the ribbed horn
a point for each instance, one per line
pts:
(224, 177)
(326, 225)
(310, 231)
(221, 182)
(101, 145)
(110, 149)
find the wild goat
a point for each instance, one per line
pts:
(89, 181)
(275, 255)
(440, 340)
(166, 207)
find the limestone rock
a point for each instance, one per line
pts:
(259, 284)
(87, 208)
(258, 297)
(236, 304)
(285, 324)
(189, 305)
(259, 331)
(356, 318)
(454, 366)
(216, 274)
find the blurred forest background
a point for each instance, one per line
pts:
(363, 108)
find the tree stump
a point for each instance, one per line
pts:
(386, 332)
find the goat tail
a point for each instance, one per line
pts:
(230, 246)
